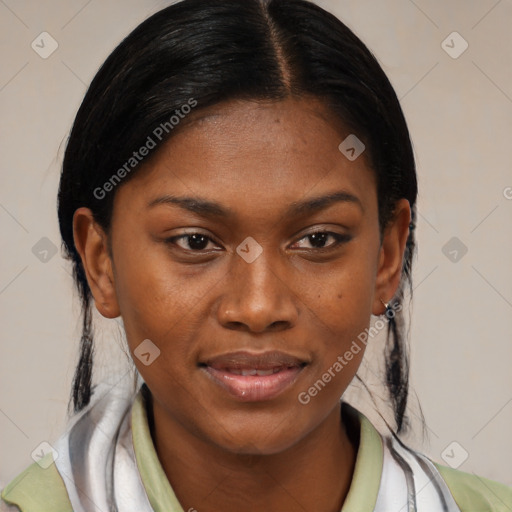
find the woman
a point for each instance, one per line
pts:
(239, 186)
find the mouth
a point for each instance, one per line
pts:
(254, 377)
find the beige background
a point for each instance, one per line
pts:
(460, 116)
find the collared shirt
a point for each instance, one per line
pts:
(43, 490)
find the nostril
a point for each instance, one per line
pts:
(279, 324)
(236, 326)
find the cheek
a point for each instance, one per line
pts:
(153, 300)
(342, 309)
(167, 304)
(343, 298)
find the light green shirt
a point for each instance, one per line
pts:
(43, 490)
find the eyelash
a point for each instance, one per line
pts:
(339, 240)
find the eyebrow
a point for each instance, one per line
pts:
(207, 208)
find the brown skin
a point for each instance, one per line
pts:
(254, 158)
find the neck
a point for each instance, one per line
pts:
(314, 474)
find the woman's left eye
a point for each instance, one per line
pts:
(319, 239)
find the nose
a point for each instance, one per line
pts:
(257, 297)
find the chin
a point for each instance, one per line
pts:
(259, 439)
(259, 447)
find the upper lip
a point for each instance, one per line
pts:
(243, 360)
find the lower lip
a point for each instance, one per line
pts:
(255, 388)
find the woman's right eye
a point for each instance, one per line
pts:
(195, 242)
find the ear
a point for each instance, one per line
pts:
(91, 244)
(391, 256)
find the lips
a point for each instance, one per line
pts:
(253, 371)
(252, 377)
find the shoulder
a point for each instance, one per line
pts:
(474, 493)
(39, 488)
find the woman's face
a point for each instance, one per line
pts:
(215, 262)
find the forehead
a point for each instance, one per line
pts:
(268, 152)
